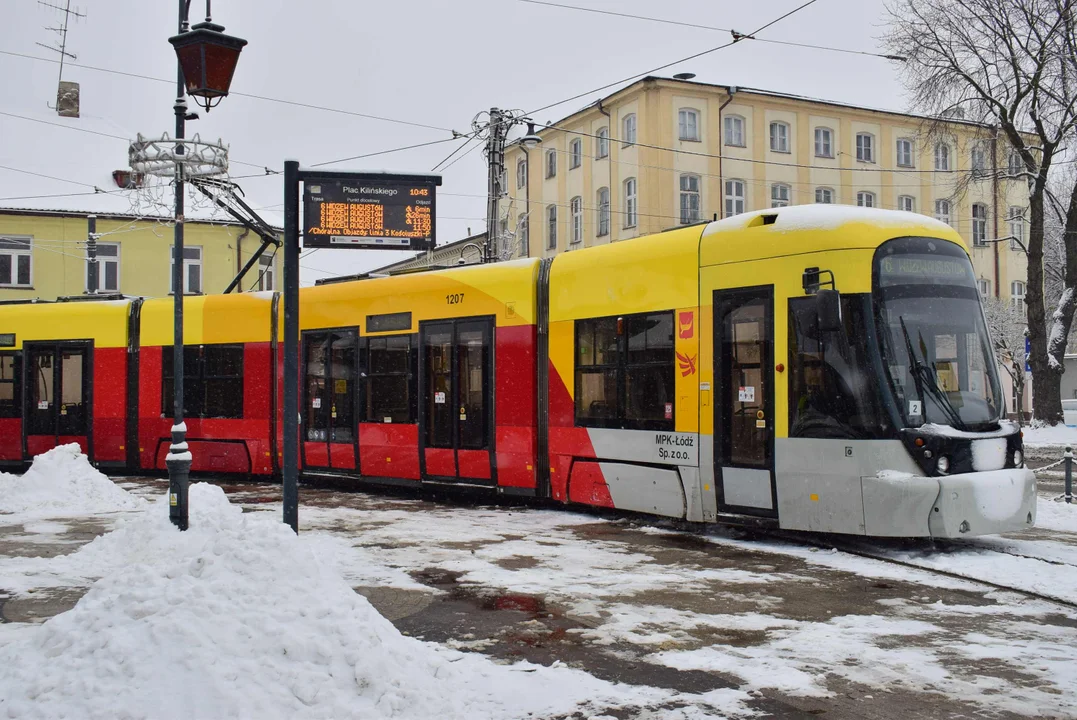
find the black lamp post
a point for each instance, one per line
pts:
(207, 59)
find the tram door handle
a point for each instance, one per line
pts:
(705, 394)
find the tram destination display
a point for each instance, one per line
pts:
(390, 212)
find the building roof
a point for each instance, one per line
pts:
(441, 250)
(46, 212)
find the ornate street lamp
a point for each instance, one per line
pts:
(208, 58)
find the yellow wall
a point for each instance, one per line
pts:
(657, 170)
(59, 251)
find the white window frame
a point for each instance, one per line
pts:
(188, 263)
(521, 172)
(865, 147)
(1015, 164)
(525, 234)
(628, 126)
(691, 198)
(688, 125)
(978, 160)
(631, 198)
(733, 131)
(1017, 294)
(551, 227)
(267, 273)
(18, 246)
(576, 208)
(903, 152)
(602, 136)
(983, 285)
(101, 262)
(824, 142)
(906, 203)
(734, 197)
(779, 136)
(824, 195)
(942, 157)
(780, 195)
(944, 211)
(979, 225)
(1016, 218)
(575, 150)
(603, 209)
(865, 198)
(551, 163)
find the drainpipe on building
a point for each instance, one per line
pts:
(239, 255)
(527, 197)
(994, 201)
(731, 90)
(609, 161)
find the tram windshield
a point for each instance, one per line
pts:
(935, 345)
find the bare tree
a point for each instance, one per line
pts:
(1012, 65)
(1006, 323)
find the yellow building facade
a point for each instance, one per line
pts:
(667, 152)
(43, 255)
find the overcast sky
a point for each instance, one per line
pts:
(432, 62)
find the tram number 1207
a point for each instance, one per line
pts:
(454, 298)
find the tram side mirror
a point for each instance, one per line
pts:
(828, 310)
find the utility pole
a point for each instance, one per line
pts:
(91, 255)
(495, 162)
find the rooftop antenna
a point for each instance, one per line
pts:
(67, 93)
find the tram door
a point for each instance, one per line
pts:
(330, 399)
(744, 400)
(457, 409)
(57, 398)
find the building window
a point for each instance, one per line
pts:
(625, 372)
(983, 285)
(942, 211)
(551, 163)
(629, 135)
(779, 137)
(603, 149)
(603, 211)
(212, 381)
(942, 157)
(525, 234)
(824, 142)
(865, 147)
(1017, 294)
(575, 153)
(10, 385)
(1017, 228)
(688, 124)
(779, 195)
(267, 276)
(16, 261)
(824, 195)
(1014, 164)
(551, 227)
(389, 382)
(734, 197)
(978, 161)
(979, 224)
(630, 202)
(521, 172)
(865, 199)
(576, 206)
(904, 153)
(907, 203)
(689, 199)
(734, 130)
(108, 268)
(192, 270)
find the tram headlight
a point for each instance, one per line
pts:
(1018, 458)
(943, 464)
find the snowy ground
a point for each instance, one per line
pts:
(1060, 435)
(509, 612)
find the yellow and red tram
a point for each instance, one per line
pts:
(815, 368)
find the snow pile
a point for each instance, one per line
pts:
(1056, 515)
(237, 618)
(1050, 435)
(62, 481)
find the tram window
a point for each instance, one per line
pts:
(388, 381)
(831, 386)
(212, 381)
(193, 394)
(9, 386)
(625, 371)
(316, 404)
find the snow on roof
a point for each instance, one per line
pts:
(828, 217)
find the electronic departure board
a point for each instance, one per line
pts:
(360, 210)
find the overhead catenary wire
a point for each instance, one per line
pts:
(384, 152)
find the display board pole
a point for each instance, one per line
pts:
(290, 474)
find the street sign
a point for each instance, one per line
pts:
(1028, 354)
(369, 210)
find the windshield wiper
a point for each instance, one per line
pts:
(926, 379)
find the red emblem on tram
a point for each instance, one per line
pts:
(688, 364)
(687, 321)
